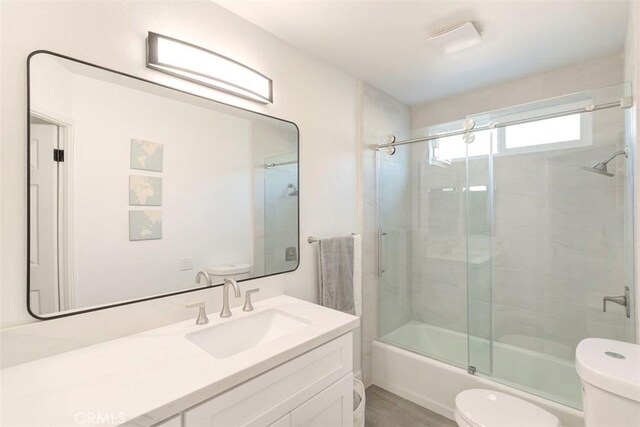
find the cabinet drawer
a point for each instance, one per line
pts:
(267, 398)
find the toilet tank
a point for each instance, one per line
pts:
(233, 271)
(610, 374)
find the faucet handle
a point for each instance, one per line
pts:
(202, 314)
(247, 299)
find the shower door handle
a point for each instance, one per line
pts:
(622, 300)
(380, 268)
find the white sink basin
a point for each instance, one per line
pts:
(236, 336)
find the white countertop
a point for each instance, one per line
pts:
(145, 378)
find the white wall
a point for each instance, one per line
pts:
(53, 84)
(322, 100)
(562, 81)
(217, 149)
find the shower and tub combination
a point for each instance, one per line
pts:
(498, 247)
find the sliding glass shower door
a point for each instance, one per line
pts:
(499, 242)
(424, 258)
(561, 232)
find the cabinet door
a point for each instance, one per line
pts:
(270, 396)
(331, 407)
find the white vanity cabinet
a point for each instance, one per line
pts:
(255, 370)
(314, 389)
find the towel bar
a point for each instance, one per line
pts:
(312, 239)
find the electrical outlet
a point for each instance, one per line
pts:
(186, 263)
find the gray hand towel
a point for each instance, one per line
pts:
(335, 270)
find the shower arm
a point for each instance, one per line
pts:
(616, 154)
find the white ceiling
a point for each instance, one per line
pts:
(385, 42)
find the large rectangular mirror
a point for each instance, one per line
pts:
(135, 187)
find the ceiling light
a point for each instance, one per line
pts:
(456, 39)
(208, 68)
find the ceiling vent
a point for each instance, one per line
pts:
(457, 38)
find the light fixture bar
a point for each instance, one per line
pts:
(208, 68)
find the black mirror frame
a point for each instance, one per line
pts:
(28, 193)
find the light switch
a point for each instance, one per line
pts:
(186, 263)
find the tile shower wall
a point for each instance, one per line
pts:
(557, 234)
(380, 115)
(439, 273)
(558, 245)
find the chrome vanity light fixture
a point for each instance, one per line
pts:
(208, 68)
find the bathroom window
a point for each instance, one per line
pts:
(548, 134)
(454, 147)
(559, 131)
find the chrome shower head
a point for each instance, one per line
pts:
(601, 167)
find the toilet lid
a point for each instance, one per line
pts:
(487, 408)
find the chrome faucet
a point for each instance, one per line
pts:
(203, 275)
(226, 312)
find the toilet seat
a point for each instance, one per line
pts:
(488, 408)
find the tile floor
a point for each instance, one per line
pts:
(385, 409)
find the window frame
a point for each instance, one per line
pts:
(500, 134)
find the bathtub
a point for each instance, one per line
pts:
(434, 384)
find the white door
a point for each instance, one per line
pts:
(43, 186)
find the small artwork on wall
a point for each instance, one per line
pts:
(146, 155)
(145, 190)
(145, 225)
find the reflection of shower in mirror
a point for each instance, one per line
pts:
(294, 190)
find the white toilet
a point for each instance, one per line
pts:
(232, 271)
(610, 374)
(487, 408)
